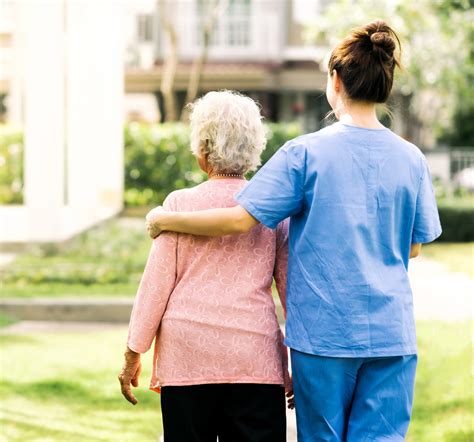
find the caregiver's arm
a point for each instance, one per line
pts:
(415, 250)
(211, 222)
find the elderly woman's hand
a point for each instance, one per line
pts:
(131, 370)
(152, 221)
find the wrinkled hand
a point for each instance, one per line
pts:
(130, 373)
(290, 398)
(152, 218)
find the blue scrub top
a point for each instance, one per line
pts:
(358, 198)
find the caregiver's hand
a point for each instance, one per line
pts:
(152, 221)
(131, 370)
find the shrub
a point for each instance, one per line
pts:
(158, 159)
(457, 219)
(11, 165)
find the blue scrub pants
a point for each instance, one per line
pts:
(352, 399)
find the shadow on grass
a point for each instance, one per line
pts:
(459, 436)
(51, 433)
(12, 339)
(427, 412)
(73, 393)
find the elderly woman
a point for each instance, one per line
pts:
(219, 359)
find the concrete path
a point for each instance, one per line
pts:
(438, 293)
(6, 258)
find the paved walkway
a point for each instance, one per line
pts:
(6, 258)
(439, 294)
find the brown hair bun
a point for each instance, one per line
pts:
(365, 61)
(383, 41)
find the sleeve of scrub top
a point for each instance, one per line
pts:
(427, 226)
(156, 285)
(276, 191)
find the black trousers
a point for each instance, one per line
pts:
(230, 412)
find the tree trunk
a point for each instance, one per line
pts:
(218, 7)
(169, 66)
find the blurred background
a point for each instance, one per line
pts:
(94, 132)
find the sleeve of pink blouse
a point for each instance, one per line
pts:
(157, 283)
(279, 274)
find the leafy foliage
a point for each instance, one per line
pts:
(437, 50)
(11, 165)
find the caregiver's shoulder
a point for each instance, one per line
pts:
(312, 139)
(325, 133)
(328, 136)
(405, 146)
(322, 138)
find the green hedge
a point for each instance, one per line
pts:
(11, 165)
(158, 159)
(457, 220)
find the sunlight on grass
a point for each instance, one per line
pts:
(65, 387)
(443, 409)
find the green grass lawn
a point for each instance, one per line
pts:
(63, 387)
(444, 402)
(458, 257)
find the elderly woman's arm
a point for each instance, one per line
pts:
(280, 275)
(156, 285)
(211, 222)
(153, 293)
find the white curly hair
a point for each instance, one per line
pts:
(227, 126)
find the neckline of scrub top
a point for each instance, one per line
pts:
(362, 128)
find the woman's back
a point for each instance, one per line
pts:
(363, 186)
(219, 324)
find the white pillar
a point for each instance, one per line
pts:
(41, 26)
(95, 103)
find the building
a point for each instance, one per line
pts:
(256, 47)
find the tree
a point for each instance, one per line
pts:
(217, 7)
(436, 46)
(171, 62)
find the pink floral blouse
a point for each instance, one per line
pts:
(208, 301)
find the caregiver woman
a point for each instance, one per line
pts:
(361, 203)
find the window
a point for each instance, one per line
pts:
(145, 28)
(232, 28)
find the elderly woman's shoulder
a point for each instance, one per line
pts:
(171, 201)
(178, 197)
